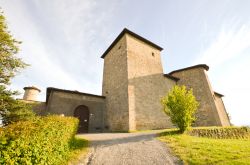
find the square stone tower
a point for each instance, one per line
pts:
(133, 84)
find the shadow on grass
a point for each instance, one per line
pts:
(78, 151)
(78, 144)
(170, 132)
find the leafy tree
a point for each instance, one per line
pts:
(180, 104)
(9, 63)
(10, 108)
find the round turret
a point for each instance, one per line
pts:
(31, 93)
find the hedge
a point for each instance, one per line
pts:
(42, 140)
(221, 132)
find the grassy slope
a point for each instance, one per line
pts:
(199, 150)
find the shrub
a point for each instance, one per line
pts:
(42, 140)
(180, 104)
(12, 110)
(221, 132)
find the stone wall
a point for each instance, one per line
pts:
(30, 94)
(142, 59)
(37, 106)
(147, 86)
(196, 78)
(133, 84)
(145, 95)
(65, 103)
(115, 87)
(222, 110)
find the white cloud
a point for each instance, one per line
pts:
(227, 45)
(228, 58)
(62, 42)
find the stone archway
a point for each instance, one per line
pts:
(82, 113)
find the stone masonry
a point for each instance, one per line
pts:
(209, 112)
(146, 86)
(133, 84)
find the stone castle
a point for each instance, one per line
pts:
(133, 84)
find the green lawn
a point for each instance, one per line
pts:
(200, 150)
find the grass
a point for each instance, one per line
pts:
(201, 150)
(79, 149)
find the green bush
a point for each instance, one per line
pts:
(12, 110)
(42, 140)
(221, 132)
(180, 104)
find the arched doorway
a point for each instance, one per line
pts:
(82, 113)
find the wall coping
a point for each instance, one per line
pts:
(171, 77)
(191, 67)
(219, 94)
(50, 89)
(32, 87)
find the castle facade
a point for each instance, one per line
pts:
(133, 84)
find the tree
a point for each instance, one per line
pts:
(9, 63)
(180, 104)
(13, 110)
(10, 108)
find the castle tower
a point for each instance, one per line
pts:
(212, 111)
(31, 93)
(133, 84)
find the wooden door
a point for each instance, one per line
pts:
(82, 113)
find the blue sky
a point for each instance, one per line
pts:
(64, 39)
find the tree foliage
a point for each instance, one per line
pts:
(13, 110)
(10, 64)
(180, 104)
(10, 108)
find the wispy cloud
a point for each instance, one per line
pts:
(230, 43)
(228, 58)
(62, 40)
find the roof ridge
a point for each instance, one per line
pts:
(124, 31)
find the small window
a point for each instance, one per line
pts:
(119, 47)
(153, 54)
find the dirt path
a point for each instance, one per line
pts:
(127, 149)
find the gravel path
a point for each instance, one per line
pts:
(127, 149)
